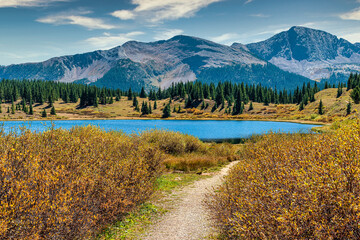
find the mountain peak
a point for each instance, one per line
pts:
(312, 53)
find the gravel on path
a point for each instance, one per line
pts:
(188, 218)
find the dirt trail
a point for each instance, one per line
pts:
(188, 218)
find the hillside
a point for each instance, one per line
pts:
(311, 53)
(123, 109)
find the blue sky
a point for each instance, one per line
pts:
(36, 30)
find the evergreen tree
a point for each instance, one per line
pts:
(149, 108)
(355, 95)
(43, 113)
(130, 94)
(203, 105)
(348, 108)
(0, 109)
(251, 106)
(144, 109)
(167, 111)
(53, 111)
(339, 91)
(326, 85)
(321, 108)
(143, 93)
(31, 110)
(8, 110)
(155, 105)
(301, 107)
(96, 101)
(12, 108)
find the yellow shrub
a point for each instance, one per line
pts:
(172, 142)
(68, 184)
(294, 187)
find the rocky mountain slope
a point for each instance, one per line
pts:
(311, 53)
(157, 64)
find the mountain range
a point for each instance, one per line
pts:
(286, 60)
(311, 53)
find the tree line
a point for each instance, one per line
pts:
(231, 96)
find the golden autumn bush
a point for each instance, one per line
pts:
(188, 153)
(293, 187)
(68, 184)
(173, 142)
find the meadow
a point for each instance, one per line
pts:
(70, 184)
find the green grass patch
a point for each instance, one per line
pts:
(133, 224)
(170, 181)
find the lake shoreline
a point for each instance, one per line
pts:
(170, 119)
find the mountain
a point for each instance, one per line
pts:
(158, 64)
(311, 53)
(357, 44)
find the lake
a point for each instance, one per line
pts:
(206, 130)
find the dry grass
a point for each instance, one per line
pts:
(187, 153)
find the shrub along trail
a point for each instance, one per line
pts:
(188, 217)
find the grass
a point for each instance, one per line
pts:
(133, 224)
(170, 181)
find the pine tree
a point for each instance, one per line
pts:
(130, 94)
(31, 110)
(167, 111)
(355, 95)
(339, 91)
(321, 108)
(301, 107)
(143, 93)
(8, 110)
(43, 113)
(144, 109)
(203, 105)
(251, 106)
(53, 111)
(0, 109)
(348, 109)
(155, 105)
(149, 108)
(135, 102)
(326, 85)
(12, 108)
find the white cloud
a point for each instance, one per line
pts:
(353, 37)
(167, 34)
(27, 3)
(248, 1)
(352, 15)
(159, 10)
(76, 19)
(124, 14)
(225, 37)
(109, 40)
(260, 15)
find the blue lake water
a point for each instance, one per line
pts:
(205, 130)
